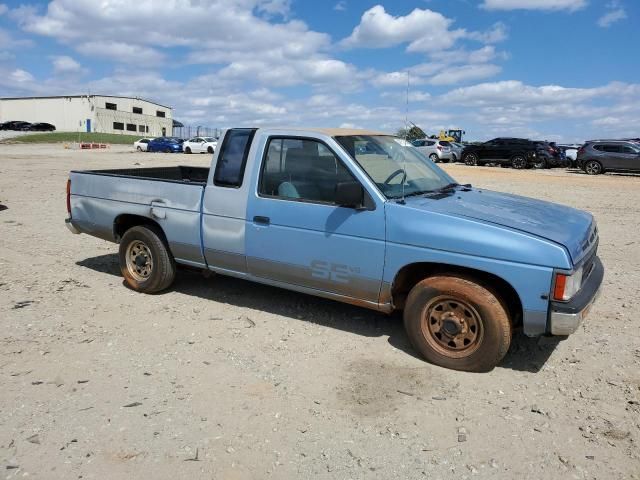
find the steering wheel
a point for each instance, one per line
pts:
(394, 175)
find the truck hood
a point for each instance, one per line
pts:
(571, 228)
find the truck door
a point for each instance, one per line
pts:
(296, 233)
(224, 205)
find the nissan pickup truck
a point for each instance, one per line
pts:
(359, 217)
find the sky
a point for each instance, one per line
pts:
(563, 70)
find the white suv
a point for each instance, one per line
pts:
(436, 150)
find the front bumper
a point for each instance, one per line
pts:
(565, 318)
(72, 228)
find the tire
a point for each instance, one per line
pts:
(471, 159)
(434, 158)
(519, 162)
(139, 149)
(457, 323)
(540, 164)
(187, 150)
(145, 244)
(593, 167)
(167, 150)
(454, 159)
(209, 150)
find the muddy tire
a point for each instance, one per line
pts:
(456, 323)
(145, 260)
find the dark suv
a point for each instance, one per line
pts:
(548, 154)
(517, 152)
(599, 156)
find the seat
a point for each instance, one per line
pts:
(299, 181)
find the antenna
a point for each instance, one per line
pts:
(406, 135)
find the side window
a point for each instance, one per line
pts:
(611, 148)
(233, 157)
(301, 169)
(626, 149)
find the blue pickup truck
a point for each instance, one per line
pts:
(359, 217)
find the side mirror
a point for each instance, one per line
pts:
(349, 194)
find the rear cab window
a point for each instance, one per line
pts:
(233, 157)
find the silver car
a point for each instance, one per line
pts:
(456, 151)
(600, 156)
(436, 150)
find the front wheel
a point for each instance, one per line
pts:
(210, 150)
(145, 261)
(593, 168)
(457, 323)
(187, 150)
(139, 149)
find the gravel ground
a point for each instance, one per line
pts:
(220, 378)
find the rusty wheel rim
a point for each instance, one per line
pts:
(452, 327)
(139, 260)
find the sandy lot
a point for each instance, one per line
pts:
(222, 379)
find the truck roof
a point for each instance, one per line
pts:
(332, 132)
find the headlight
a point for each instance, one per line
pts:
(566, 286)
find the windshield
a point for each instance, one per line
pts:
(397, 170)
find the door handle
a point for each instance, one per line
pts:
(261, 220)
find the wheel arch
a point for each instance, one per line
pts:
(409, 275)
(125, 221)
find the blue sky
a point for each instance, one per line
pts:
(555, 69)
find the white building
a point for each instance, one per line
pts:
(91, 113)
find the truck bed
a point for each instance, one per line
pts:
(181, 174)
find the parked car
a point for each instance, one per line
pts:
(517, 152)
(303, 209)
(548, 155)
(596, 157)
(165, 144)
(436, 150)
(200, 145)
(16, 125)
(41, 127)
(141, 145)
(456, 151)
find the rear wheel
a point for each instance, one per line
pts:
(187, 150)
(434, 158)
(210, 150)
(454, 159)
(471, 159)
(593, 167)
(167, 150)
(457, 323)
(145, 260)
(540, 163)
(519, 162)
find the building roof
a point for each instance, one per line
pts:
(90, 95)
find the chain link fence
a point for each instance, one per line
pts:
(190, 131)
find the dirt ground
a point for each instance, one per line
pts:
(223, 379)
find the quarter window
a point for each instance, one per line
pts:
(233, 157)
(301, 169)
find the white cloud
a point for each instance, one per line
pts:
(64, 64)
(570, 5)
(21, 76)
(3, 9)
(612, 17)
(341, 6)
(121, 52)
(464, 73)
